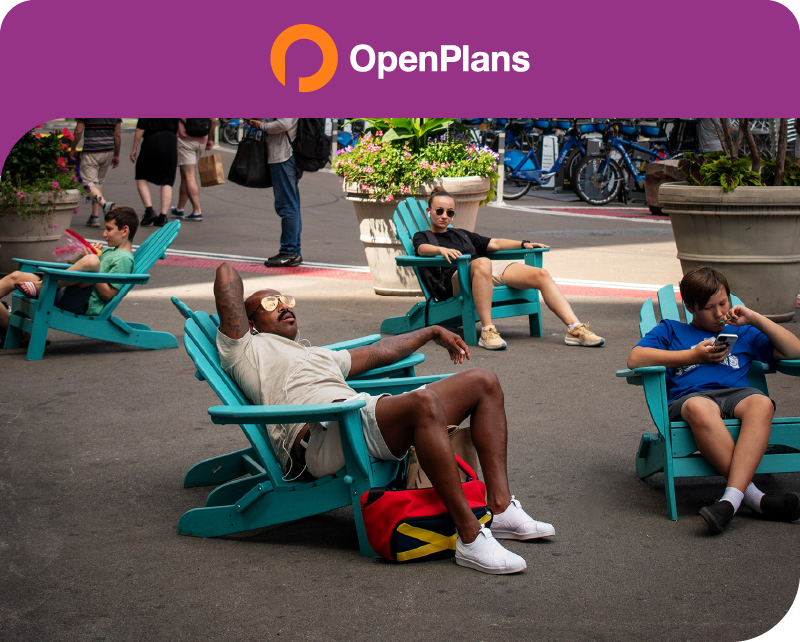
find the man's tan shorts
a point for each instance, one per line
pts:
(94, 167)
(498, 267)
(189, 151)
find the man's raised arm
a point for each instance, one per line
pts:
(229, 294)
(391, 350)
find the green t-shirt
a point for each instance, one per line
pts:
(111, 260)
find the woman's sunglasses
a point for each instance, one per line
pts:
(269, 303)
(440, 210)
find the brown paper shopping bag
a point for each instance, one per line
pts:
(211, 172)
(460, 440)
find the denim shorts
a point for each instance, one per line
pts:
(726, 398)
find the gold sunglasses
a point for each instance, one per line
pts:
(269, 303)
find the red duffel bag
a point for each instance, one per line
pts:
(413, 525)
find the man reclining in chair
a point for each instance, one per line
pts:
(707, 383)
(258, 349)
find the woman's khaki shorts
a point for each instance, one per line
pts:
(498, 267)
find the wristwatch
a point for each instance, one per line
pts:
(522, 245)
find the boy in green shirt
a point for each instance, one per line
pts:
(86, 298)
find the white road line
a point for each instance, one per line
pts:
(558, 212)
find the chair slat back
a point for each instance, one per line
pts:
(647, 318)
(219, 380)
(409, 218)
(667, 304)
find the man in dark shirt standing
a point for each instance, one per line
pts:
(100, 151)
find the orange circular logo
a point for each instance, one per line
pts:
(330, 57)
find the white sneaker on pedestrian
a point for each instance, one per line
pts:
(487, 555)
(515, 523)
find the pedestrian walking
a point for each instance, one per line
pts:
(195, 135)
(285, 176)
(101, 147)
(156, 164)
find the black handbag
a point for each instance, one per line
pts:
(250, 167)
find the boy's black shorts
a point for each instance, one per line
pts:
(73, 298)
(725, 398)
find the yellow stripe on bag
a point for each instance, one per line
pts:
(436, 542)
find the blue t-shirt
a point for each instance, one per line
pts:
(752, 345)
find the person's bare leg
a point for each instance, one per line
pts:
(193, 192)
(144, 193)
(7, 282)
(480, 276)
(5, 315)
(183, 196)
(166, 198)
(523, 277)
(88, 263)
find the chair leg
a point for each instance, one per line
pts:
(535, 324)
(38, 340)
(669, 488)
(13, 336)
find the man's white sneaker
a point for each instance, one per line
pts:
(515, 523)
(487, 555)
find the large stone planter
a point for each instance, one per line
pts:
(34, 237)
(377, 231)
(751, 234)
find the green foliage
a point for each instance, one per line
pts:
(384, 166)
(791, 172)
(34, 173)
(718, 169)
(417, 132)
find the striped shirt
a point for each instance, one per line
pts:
(98, 134)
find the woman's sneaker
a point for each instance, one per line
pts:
(176, 212)
(515, 523)
(487, 555)
(581, 335)
(491, 339)
(194, 216)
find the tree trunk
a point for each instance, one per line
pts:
(744, 123)
(780, 161)
(755, 155)
(720, 135)
(726, 131)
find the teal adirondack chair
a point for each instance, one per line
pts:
(251, 492)
(672, 450)
(409, 218)
(37, 316)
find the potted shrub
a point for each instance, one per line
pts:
(38, 196)
(741, 214)
(408, 157)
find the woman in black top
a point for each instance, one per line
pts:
(156, 164)
(484, 274)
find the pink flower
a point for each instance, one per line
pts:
(55, 227)
(75, 211)
(368, 170)
(65, 133)
(407, 154)
(55, 185)
(64, 147)
(61, 162)
(390, 198)
(20, 194)
(424, 164)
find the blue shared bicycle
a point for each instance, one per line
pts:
(524, 171)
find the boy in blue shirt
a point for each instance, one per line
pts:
(708, 383)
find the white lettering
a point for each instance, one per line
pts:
(384, 55)
(480, 61)
(496, 55)
(521, 62)
(354, 58)
(465, 58)
(428, 54)
(455, 55)
(408, 61)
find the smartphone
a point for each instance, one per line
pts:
(726, 340)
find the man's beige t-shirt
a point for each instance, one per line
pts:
(272, 370)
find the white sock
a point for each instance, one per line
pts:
(734, 496)
(572, 326)
(752, 497)
(491, 325)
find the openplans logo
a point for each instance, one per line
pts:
(364, 59)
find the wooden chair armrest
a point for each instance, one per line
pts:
(354, 343)
(788, 366)
(638, 372)
(393, 386)
(27, 265)
(428, 261)
(509, 255)
(223, 415)
(96, 277)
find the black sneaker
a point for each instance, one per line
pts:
(161, 220)
(284, 260)
(781, 508)
(149, 218)
(718, 516)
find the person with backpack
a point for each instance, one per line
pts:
(484, 274)
(285, 174)
(195, 135)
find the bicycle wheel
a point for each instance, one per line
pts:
(514, 188)
(598, 180)
(570, 165)
(230, 135)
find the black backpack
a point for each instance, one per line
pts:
(197, 127)
(311, 147)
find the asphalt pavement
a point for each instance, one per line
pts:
(96, 437)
